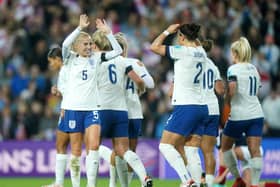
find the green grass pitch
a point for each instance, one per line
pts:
(102, 182)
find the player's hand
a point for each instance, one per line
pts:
(173, 28)
(84, 23)
(103, 26)
(140, 63)
(141, 90)
(62, 113)
(55, 91)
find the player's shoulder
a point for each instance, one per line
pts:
(234, 67)
(63, 68)
(96, 55)
(210, 62)
(252, 67)
(131, 60)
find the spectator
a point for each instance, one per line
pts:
(272, 54)
(271, 109)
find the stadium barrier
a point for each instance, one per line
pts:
(37, 158)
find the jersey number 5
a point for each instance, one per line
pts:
(84, 75)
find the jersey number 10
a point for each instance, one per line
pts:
(208, 77)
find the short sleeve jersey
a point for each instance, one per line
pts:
(210, 76)
(189, 65)
(245, 104)
(81, 88)
(111, 81)
(132, 98)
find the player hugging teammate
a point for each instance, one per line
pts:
(100, 98)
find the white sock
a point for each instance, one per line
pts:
(209, 180)
(136, 164)
(130, 176)
(75, 170)
(175, 160)
(122, 171)
(92, 163)
(231, 163)
(113, 177)
(60, 167)
(256, 166)
(105, 153)
(194, 163)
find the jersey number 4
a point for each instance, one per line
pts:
(130, 85)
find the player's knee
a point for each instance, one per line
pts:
(255, 151)
(209, 155)
(77, 151)
(93, 146)
(207, 150)
(61, 147)
(120, 151)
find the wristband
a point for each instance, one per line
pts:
(166, 33)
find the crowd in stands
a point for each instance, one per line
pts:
(29, 28)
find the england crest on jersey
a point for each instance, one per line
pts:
(91, 61)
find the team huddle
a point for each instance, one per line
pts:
(100, 89)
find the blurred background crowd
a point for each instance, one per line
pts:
(28, 28)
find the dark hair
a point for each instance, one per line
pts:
(207, 44)
(190, 30)
(55, 52)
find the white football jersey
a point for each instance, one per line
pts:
(189, 66)
(81, 88)
(132, 98)
(62, 79)
(111, 83)
(245, 104)
(210, 75)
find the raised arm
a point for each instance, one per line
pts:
(145, 75)
(66, 45)
(117, 50)
(157, 46)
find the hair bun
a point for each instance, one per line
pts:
(191, 30)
